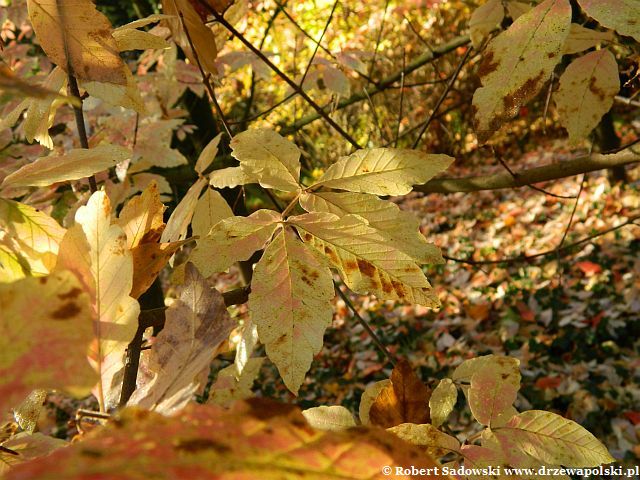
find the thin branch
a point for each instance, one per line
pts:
(400, 108)
(82, 131)
(315, 50)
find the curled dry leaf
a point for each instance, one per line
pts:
(406, 400)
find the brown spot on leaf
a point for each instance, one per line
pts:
(66, 311)
(488, 65)
(331, 253)
(366, 267)
(350, 265)
(597, 91)
(73, 293)
(513, 102)
(307, 236)
(399, 288)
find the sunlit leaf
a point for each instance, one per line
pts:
(231, 177)
(232, 385)
(484, 19)
(77, 38)
(148, 260)
(181, 217)
(268, 157)
(142, 217)
(127, 36)
(28, 446)
(621, 15)
(233, 239)
(436, 442)
(40, 112)
(73, 165)
(443, 399)
(335, 418)
(208, 154)
(518, 62)
(195, 326)
(494, 388)
(366, 261)
(28, 412)
(368, 397)
(210, 209)
(124, 95)
(290, 304)
(587, 89)
(383, 171)
(44, 337)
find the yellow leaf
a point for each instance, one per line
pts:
(96, 250)
(290, 304)
(442, 400)
(142, 217)
(581, 38)
(75, 36)
(124, 95)
(44, 337)
(436, 442)
(401, 228)
(483, 20)
(148, 260)
(40, 112)
(334, 418)
(368, 397)
(210, 209)
(270, 158)
(12, 266)
(231, 177)
(494, 389)
(621, 15)
(208, 154)
(73, 165)
(231, 385)
(554, 440)
(587, 89)
(10, 82)
(365, 260)
(383, 171)
(233, 239)
(28, 412)
(28, 446)
(127, 36)
(518, 62)
(181, 217)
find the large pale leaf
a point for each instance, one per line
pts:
(201, 36)
(483, 20)
(518, 62)
(383, 171)
(334, 418)
(232, 385)
(587, 89)
(553, 439)
(257, 439)
(368, 397)
(195, 326)
(405, 400)
(442, 400)
(44, 337)
(401, 228)
(270, 158)
(468, 368)
(181, 217)
(493, 389)
(96, 250)
(233, 239)
(74, 165)
(366, 261)
(436, 442)
(581, 38)
(31, 234)
(621, 15)
(77, 38)
(290, 304)
(210, 209)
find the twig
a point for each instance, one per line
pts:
(365, 325)
(400, 112)
(82, 130)
(315, 50)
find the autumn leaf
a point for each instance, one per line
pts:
(210, 209)
(44, 337)
(581, 38)
(366, 261)
(442, 400)
(233, 239)
(406, 400)
(255, 439)
(436, 442)
(269, 158)
(518, 62)
(195, 326)
(73, 165)
(484, 20)
(383, 171)
(400, 227)
(207, 155)
(231, 177)
(334, 418)
(587, 89)
(126, 95)
(10, 82)
(77, 38)
(290, 304)
(148, 260)
(128, 37)
(28, 412)
(141, 217)
(553, 439)
(181, 217)
(96, 250)
(27, 446)
(232, 385)
(621, 15)
(368, 397)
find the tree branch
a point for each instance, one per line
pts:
(82, 131)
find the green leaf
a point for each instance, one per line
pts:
(290, 304)
(383, 171)
(518, 62)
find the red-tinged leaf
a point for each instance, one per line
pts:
(589, 268)
(45, 334)
(493, 390)
(632, 416)
(257, 439)
(548, 382)
(406, 400)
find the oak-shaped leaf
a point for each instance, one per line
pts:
(255, 439)
(400, 227)
(518, 62)
(405, 400)
(77, 38)
(383, 171)
(95, 249)
(621, 15)
(269, 158)
(290, 304)
(587, 89)
(196, 324)
(73, 165)
(45, 334)
(233, 239)
(367, 261)
(553, 439)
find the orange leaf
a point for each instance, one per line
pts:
(406, 400)
(148, 260)
(589, 268)
(548, 382)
